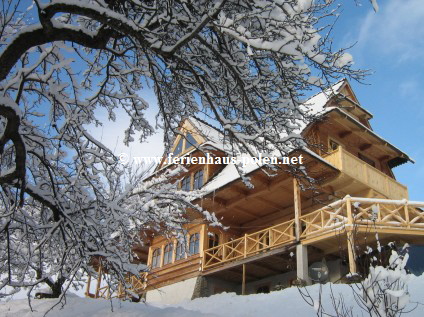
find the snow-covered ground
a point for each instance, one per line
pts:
(287, 302)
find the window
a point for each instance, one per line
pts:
(184, 144)
(194, 244)
(198, 180)
(366, 159)
(156, 258)
(190, 141)
(179, 147)
(180, 252)
(168, 252)
(333, 145)
(213, 240)
(185, 183)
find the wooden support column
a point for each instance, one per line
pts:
(302, 264)
(149, 256)
(243, 285)
(350, 237)
(203, 244)
(87, 290)
(162, 255)
(351, 252)
(297, 209)
(99, 281)
(203, 239)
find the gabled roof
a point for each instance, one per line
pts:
(319, 104)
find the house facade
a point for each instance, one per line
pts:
(283, 231)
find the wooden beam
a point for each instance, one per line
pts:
(345, 134)
(350, 237)
(297, 209)
(246, 212)
(274, 215)
(99, 281)
(233, 202)
(266, 267)
(268, 202)
(87, 290)
(365, 146)
(243, 285)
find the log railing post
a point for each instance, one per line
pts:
(350, 236)
(406, 209)
(245, 245)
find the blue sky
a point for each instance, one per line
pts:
(391, 44)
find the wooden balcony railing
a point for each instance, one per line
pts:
(249, 245)
(363, 211)
(366, 174)
(347, 212)
(329, 217)
(135, 286)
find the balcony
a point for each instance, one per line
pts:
(391, 217)
(397, 217)
(360, 171)
(249, 245)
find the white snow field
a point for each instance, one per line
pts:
(283, 303)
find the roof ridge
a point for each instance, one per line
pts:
(206, 123)
(322, 91)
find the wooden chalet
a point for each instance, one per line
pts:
(274, 232)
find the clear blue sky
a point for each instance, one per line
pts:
(391, 44)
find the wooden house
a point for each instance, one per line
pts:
(279, 230)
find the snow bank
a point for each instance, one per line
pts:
(283, 303)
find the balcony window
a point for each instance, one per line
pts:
(198, 180)
(168, 252)
(156, 258)
(194, 244)
(180, 251)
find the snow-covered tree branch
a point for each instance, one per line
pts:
(245, 64)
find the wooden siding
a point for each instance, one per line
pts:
(366, 174)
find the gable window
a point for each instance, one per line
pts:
(333, 145)
(366, 159)
(190, 141)
(185, 183)
(179, 147)
(168, 252)
(194, 244)
(198, 179)
(156, 258)
(180, 251)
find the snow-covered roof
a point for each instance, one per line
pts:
(316, 105)
(209, 132)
